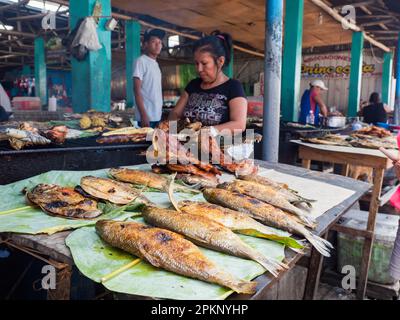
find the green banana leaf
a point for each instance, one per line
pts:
(33, 220)
(97, 259)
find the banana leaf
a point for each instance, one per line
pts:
(33, 220)
(97, 259)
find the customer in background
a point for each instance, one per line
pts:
(147, 80)
(5, 105)
(375, 111)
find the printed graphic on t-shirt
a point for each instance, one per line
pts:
(209, 108)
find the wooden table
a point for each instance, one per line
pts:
(352, 156)
(54, 246)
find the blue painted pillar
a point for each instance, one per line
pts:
(91, 78)
(132, 51)
(272, 79)
(291, 68)
(387, 76)
(40, 70)
(357, 45)
(397, 104)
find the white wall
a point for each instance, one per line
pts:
(338, 85)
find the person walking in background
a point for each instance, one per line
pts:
(147, 80)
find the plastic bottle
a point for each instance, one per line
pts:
(310, 118)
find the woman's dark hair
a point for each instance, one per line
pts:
(217, 44)
(374, 98)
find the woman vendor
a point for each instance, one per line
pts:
(213, 99)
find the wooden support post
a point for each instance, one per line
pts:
(63, 284)
(314, 274)
(132, 49)
(387, 76)
(368, 242)
(306, 163)
(345, 169)
(291, 62)
(355, 73)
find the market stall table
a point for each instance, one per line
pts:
(54, 247)
(360, 157)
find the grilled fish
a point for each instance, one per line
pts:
(265, 213)
(170, 251)
(208, 233)
(268, 195)
(237, 221)
(291, 195)
(196, 181)
(145, 178)
(110, 190)
(63, 202)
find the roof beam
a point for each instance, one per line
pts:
(334, 14)
(355, 4)
(13, 5)
(375, 23)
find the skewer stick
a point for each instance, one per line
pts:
(120, 270)
(15, 210)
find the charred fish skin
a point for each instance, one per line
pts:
(268, 195)
(170, 251)
(63, 201)
(266, 214)
(207, 233)
(145, 178)
(110, 190)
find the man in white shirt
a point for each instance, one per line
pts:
(147, 80)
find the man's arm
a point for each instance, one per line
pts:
(322, 106)
(137, 84)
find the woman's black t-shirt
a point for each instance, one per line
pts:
(374, 113)
(211, 106)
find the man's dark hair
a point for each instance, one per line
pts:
(158, 33)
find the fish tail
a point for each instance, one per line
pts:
(308, 221)
(272, 265)
(320, 244)
(245, 287)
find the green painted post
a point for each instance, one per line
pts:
(132, 49)
(387, 76)
(228, 70)
(40, 70)
(91, 78)
(291, 65)
(357, 45)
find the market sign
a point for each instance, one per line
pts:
(335, 66)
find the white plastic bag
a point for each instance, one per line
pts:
(87, 35)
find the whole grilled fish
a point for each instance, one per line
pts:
(170, 251)
(237, 221)
(145, 178)
(268, 195)
(110, 190)
(207, 233)
(63, 202)
(291, 195)
(265, 213)
(196, 181)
